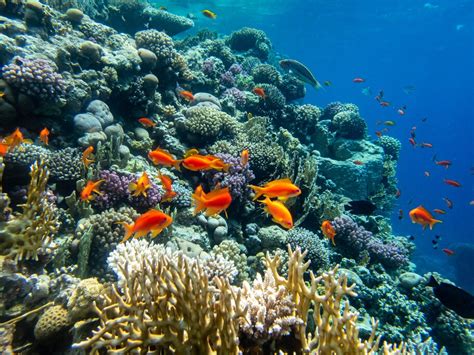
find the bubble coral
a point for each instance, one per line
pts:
(334, 108)
(349, 124)
(36, 78)
(252, 40)
(354, 240)
(267, 74)
(391, 146)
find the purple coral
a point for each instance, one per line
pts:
(236, 95)
(228, 79)
(36, 78)
(236, 69)
(355, 239)
(115, 191)
(237, 178)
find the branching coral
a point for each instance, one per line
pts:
(176, 309)
(24, 235)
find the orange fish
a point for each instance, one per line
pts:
(212, 203)
(146, 122)
(328, 231)
(209, 14)
(445, 163)
(412, 142)
(87, 193)
(244, 157)
(452, 182)
(282, 188)
(279, 212)
(422, 216)
(384, 103)
(187, 95)
(358, 80)
(378, 134)
(162, 157)
(439, 211)
(85, 156)
(44, 136)
(4, 148)
(15, 139)
(198, 162)
(140, 186)
(153, 222)
(259, 92)
(358, 162)
(426, 145)
(448, 252)
(167, 186)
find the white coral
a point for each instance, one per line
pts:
(270, 310)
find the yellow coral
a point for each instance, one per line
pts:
(335, 324)
(168, 306)
(25, 233)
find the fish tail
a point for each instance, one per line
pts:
(318, 85)
(434, 222)
(258, 191)
(432, 282)
(128, 230)
(177, 164)
(200, 203)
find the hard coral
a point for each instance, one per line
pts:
(176, 309)
(391, 146)
(36, 78)
(356, 240)
(25, 235)
(349, 124)
(316, 248)
(252, 40)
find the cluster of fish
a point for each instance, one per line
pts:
(210, 203)
(13, 140)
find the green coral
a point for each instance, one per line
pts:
(24, 235)
(391, 146)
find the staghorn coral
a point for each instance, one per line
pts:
(335, 323)
(25, 235)
(167, 304)
(356, 240)
(36, 78)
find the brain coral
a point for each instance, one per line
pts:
(35, 77)
(51, 323)
(250, 39)
(206, 123)
(349, 124)
(391, 146)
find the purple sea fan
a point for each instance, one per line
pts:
(115, 191)
(236, 179)
(353, 240)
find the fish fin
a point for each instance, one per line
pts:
(258, 191)
(155, 232)
(318, 86)
(279, 181)
(282, 199)
(177, 164)
(132, 187)
(432, 282)
(433, 222)
(140, 234)
(213, 211)
(128, 230)
(200, 203)
(226, 215)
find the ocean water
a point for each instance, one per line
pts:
(419, 53)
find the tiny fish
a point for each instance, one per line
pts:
(85, 156)
(187, 95)
(146, 122)
(282, 189)
(279, 212)
(209, 14)
(449, 203)
(153, 222)
(327, 83)
(91, 187)
(426, 145)
(328, 231)
(44, 136)
(400, 214)
(358, 80)
(167, 186)
(384, 103)
(259, 92)
(358, 162)
(162, 157)
(445, 163)
(244, 157)
(448, 252)
(427, 173)
(412, 142)
(452, 183)
(439, 211)
(140, 186)
(211, 203)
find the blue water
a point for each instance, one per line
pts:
(391, 44)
